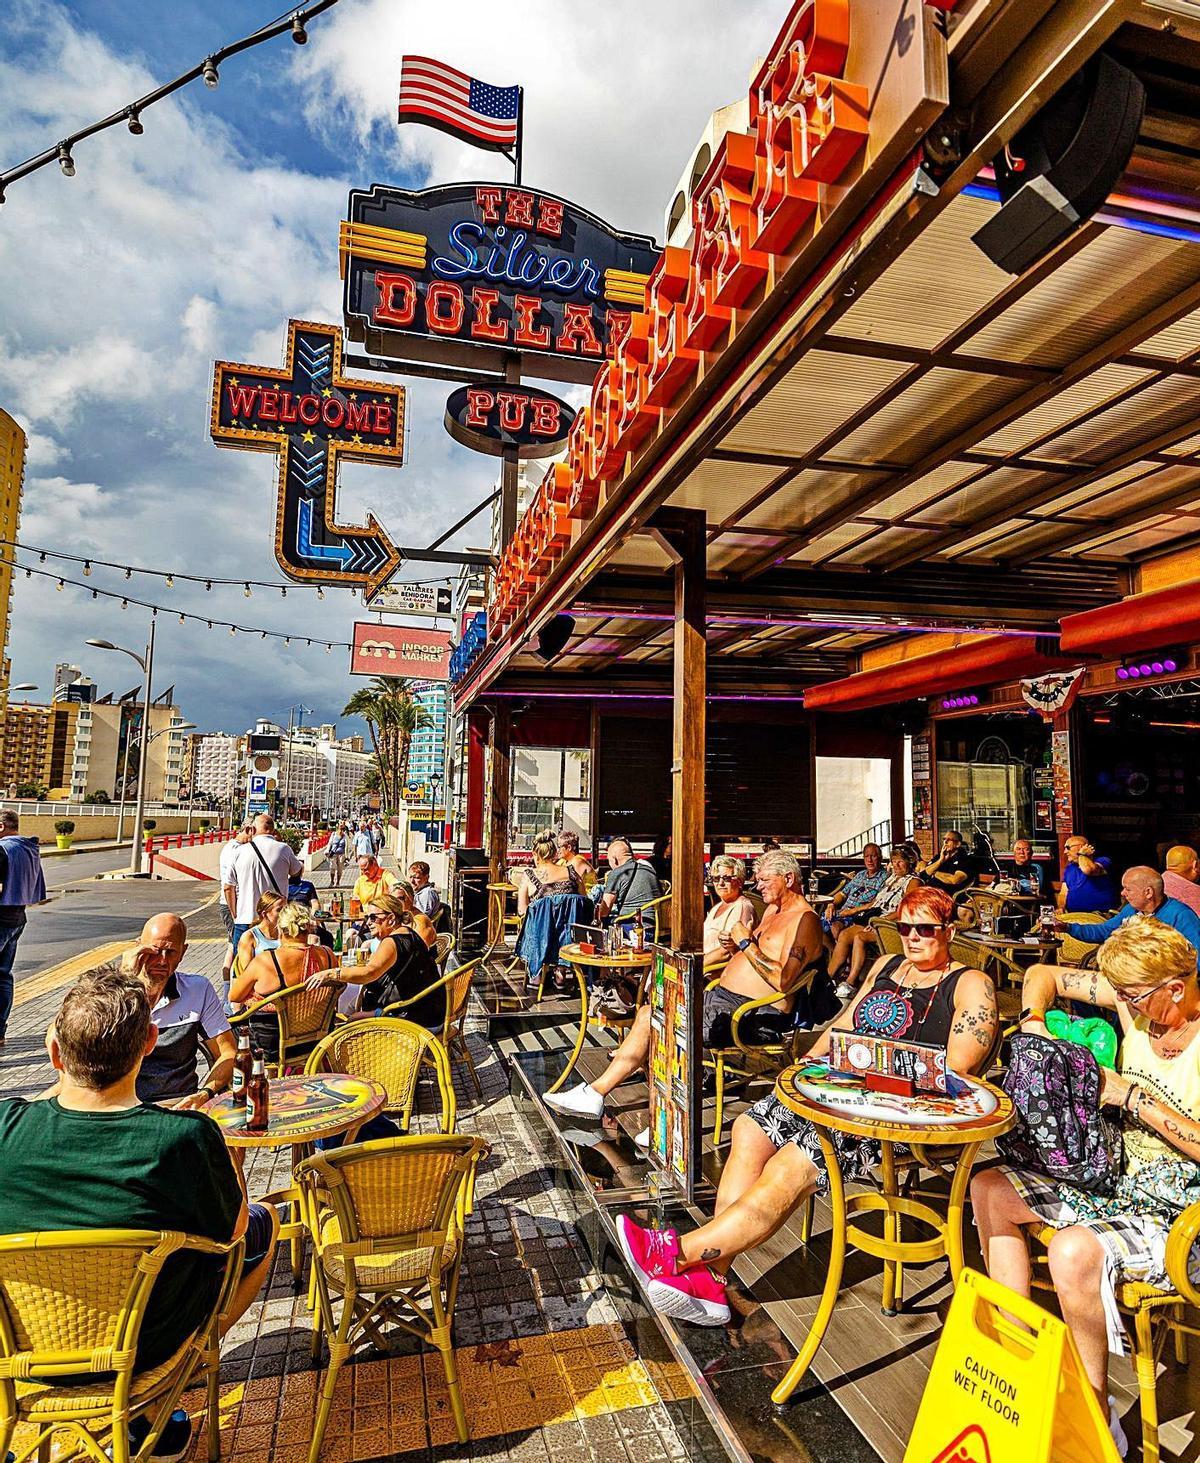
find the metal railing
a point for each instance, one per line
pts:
(880, 833)
(30, 807)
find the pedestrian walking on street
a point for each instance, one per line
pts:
(336, 852)
(21, 883)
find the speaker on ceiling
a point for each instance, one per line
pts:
(553, 636)
(1063, 164)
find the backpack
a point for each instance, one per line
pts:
(1060, 1130)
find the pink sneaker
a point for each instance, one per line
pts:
(696, 1295)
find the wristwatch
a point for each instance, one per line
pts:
(744, 944)
(211, 1091)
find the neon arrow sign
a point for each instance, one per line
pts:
(311, 415)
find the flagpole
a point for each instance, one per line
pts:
(520, 134)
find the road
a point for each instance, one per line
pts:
(74, 868)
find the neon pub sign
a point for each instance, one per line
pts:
(761, 199)
(449, 272)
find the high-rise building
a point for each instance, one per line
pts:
(427, 752)
(216, 764)
(319, 772)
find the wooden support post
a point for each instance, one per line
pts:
(681, 532)
(510, 469)
(501, 780)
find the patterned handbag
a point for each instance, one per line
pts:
(1060, 1130)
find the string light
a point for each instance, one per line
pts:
(124, 604)
(60, 584)
(289, 24)
(249, 591)
(169, 576)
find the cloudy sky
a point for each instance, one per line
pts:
(198, 240)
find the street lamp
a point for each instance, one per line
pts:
(147, 665)
(22, 686)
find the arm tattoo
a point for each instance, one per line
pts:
(1093, 986)
(713, 1253)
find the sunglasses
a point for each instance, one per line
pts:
(922, 931)
(724, 879)
(1132, 1000)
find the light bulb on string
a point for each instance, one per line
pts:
(183, 619)
(29, 574)
(208, 584)
(124, 604)
(95, 594)
(87, 568)
(209, 623)
(60, 584)
(41, 558)
(249, 591)
(170, 581)
(283, 594)
(320, 592)
(128, 573)
(233, 629)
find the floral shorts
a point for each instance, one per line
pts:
(856, 1156)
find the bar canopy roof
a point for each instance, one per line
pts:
(914, 438)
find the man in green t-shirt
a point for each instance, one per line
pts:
(94, 1157)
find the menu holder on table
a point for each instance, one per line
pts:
(884, 1065)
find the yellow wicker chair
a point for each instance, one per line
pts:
(1153, 1314)
(744, 1061)
(386, 1221)
(72, 1303)
(304, 1017)
(890, 940)
(457, 987)
(392, 1053)
(651, 904)
(1079, 953)
(442, 945)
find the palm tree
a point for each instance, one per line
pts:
(392, 716)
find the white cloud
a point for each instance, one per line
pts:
(615, 95)
(122, 284)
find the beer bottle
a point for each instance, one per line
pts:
(242, 1063)
(258, 1095)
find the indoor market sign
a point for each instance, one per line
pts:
(311, 415)
(470, 273)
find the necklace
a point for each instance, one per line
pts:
(1167, 1049)
(907, 987)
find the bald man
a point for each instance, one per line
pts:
(188, 1015)
(1181, 878)
(1142, 891)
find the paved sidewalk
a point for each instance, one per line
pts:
(549, 1373)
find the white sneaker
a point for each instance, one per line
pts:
(583, 1101)
(643, 1138)
(844, 991)
(1114, 1427)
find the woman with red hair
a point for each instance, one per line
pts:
(775, 1161)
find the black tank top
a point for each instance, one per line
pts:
(901, 1013)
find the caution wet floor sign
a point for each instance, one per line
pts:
(998, 1393)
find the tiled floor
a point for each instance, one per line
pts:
(549, 1372)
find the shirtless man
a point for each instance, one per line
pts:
(785, 946)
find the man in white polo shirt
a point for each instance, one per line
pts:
(263, 863)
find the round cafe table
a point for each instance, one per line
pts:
(498, 895)
(301, 1110)
(628, 961)
(890, 1120)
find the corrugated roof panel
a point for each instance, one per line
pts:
(720, 488)
(1178, 340)
(932, 486)
(1139, 495)
(903, 308)
(879, 546)
(933, 409)
(1153, 536)
(1173, 402)
(1068, 501)
(1091, 392)
(640, 552)
(968, 503)
(806, 497)
(1119, 277)
(1004, 544)
(817, 393)
(817, 548)
(723, 553)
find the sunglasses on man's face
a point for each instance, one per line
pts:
(922, 931)
(724, 879)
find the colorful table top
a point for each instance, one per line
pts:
(839, 1100)
(301, 1109)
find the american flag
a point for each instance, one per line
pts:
(441, 96)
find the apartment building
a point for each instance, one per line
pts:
(427, 751)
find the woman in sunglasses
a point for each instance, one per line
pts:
(400, 967)
(1148, 976)
(775, 1161)
(728, 877)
